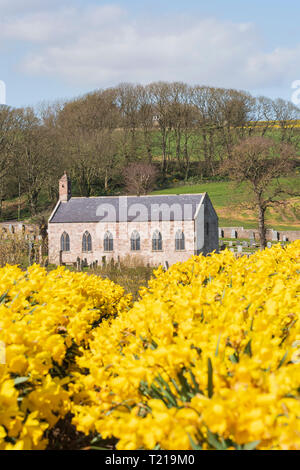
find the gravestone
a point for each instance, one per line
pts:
(233, 234)
(269, 245)
(245, 244)
(275, 236)
(252, 236)
(285, 238)
(240, 249)
(230, 243)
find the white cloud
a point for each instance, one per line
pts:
(99, 46)
(9, 7)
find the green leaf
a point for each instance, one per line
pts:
(210, 385)
(282, 360)
(165, 391)
(3, 298)
(154, 345)
(213, 441)
(21, 380)
(97, 448)
(175, 385)
(218, 344)
(251, 445)
(185, 387)
(248, 349)
(234, 358)
(196, 385)
(193, 443)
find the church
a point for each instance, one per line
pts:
(148, 230)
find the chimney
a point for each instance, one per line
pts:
(65, 188)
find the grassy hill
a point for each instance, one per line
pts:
(230, 201)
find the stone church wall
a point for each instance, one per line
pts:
(122, 249)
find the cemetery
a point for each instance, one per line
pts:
(238, 243)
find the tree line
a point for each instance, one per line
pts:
(111, 139)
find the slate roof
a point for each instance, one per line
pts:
(132, 208)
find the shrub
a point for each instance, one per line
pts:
(14, 249)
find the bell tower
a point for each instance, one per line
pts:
(65, 188)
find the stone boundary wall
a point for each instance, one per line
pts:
(19, 227)
(252, 234)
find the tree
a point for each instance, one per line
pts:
(34, 151)
(287, 115)
(8, 137)
(259, 162)
(89, 139)
(160, 94)
(139, 178)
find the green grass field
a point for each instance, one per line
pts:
(230, 202)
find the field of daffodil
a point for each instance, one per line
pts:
(44, 319)
(207, 358)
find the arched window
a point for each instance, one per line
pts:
(135, 241)
(157, 241)
(86, 242)
(179, 241)
(65, 242)
(108, 242)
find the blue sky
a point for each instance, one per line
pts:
(62, 48)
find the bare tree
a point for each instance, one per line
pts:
(145, 117)
(139, 178)
(264, 115)
(33, 155)
(127, 101)
(87, 128)
(160, 99)
(286, 115)
(9, 119)
(259, 162)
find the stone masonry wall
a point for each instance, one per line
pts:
(122, 250)
(291, 235)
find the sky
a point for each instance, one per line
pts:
(60, 49)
